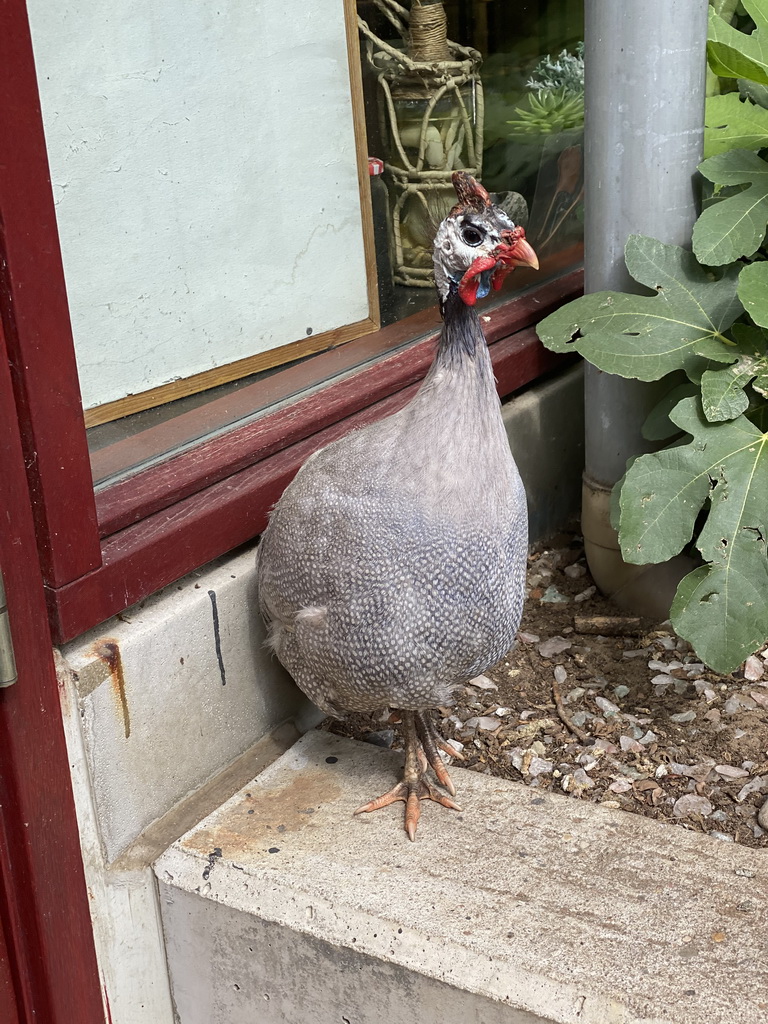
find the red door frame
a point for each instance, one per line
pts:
(44, 914)
(9, 1008)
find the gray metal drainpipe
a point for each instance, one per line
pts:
(645, 73)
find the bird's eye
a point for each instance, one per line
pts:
(472, 235)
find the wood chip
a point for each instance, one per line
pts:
(565, 718)
(608, 625)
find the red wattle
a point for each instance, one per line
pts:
(470, 282)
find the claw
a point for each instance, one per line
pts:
(451, 751)
(398, 792)
(430, 741)
(420, 751)
(411, 795)
(412, 815)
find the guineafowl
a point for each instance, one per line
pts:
(393, 567)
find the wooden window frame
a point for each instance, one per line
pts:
(103, 551)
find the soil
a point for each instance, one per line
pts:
(599, 706)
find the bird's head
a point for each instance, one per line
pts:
(477, 244)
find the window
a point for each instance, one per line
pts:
(202, 160)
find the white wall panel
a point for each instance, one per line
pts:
(203, 166)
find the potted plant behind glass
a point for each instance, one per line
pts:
(552, 118)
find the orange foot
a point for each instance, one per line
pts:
(420, 747)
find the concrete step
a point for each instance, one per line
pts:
(524, 908)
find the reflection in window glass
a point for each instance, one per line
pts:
(486, 85)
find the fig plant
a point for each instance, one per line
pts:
(706, 314)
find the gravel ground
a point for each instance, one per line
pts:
(598, 706)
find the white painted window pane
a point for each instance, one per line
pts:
(203, 164)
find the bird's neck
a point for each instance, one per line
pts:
(462, 347)
(451, 436)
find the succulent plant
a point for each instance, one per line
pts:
(556, 99)
(549, 111)
(566, 71)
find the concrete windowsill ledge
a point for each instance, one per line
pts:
(535, 906)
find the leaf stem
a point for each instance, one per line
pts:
(725, 341)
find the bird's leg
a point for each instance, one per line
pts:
(430, 741)
(414, 786)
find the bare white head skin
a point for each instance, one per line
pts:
(477, 244)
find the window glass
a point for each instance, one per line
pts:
(206, 178)
(490, 85)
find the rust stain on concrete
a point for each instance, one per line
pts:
(261, 816)
(108, 651)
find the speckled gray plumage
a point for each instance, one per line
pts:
(393, 567)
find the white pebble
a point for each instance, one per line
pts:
(628, 745)
(684, 716)
(486, 723)
(555, 645)
(692, 804)
(575, 571)
(738, 702)
(540, 766)
(606, 705)
(560, 674)
(728, 771)
(582, 780)
(663, 680)
(483, 683)
(753, 668)
(755, 785)
(620, 786)
(553, 596)
(515, 756)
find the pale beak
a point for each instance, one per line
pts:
(517, 251)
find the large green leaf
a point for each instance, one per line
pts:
(647, 336)
(734, 54)
(752, 343)
(722, 389)
(723, 613)
(733, 227)
(753, 291)
(722, 392)
(733, 123)
(658, 426)
(722, 608)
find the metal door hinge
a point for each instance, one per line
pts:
(8, 675)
